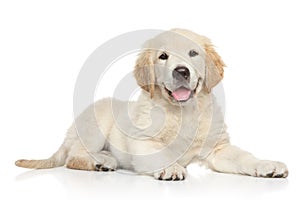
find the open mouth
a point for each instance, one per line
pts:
(181, 94)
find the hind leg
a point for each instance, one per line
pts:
(102, 161)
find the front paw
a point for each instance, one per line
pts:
(173, 173)
(271, 169)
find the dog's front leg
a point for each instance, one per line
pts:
(230, 159)
(153, 158)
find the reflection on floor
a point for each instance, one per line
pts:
(199, 183)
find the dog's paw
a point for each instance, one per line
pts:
(106, 164)
(173, 173)
(104, 168)
(271, 169)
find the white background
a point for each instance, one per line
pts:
(44, 44)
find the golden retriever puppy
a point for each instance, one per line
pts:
(174, 122)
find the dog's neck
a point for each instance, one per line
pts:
(151, 113)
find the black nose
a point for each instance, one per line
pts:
(181, 73)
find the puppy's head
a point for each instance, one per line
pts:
(180, 64)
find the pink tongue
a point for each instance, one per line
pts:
(181, 94)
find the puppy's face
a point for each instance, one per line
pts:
(179, 67)
(180, 64)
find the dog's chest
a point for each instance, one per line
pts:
(184, 129)
(189, 130)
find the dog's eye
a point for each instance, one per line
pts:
(163, 56)
(193, 53)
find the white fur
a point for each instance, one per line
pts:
(155, 136)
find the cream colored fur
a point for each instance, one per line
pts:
(160, 137)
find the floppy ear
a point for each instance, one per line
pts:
(144, 71)
(214, 67)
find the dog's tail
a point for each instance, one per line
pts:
(56, 160)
